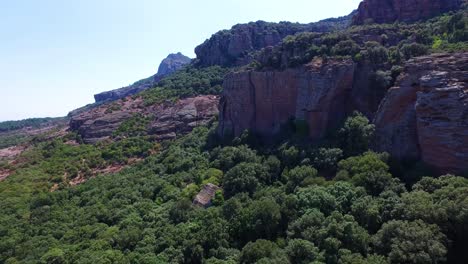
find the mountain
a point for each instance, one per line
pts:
(319, 79)
(171, 64)
(234, 46)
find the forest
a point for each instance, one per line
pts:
(283, 203)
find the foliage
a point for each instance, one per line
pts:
(30, 122)
(187, 82)
(356, 134)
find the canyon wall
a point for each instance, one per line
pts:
(425, 116)
(262, 102)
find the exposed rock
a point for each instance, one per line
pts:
(262, 102)
(232, 47)
(172, 63)
(206, 195)
(389, 11)
(425, 116)
(169, 65)
(169, 119)
(184, 116)
(11, 152)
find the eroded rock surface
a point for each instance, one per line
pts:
(425, 116)
(168, 119)
(389, 11)
(262, 102)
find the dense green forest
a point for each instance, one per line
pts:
(279, 205)
(285, 201)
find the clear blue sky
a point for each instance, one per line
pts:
(55, 55)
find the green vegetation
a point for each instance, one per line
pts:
(286, 203)
(393, 43)
(31, 122)
(9, 140)
(187, 82)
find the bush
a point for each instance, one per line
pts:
(356, 134)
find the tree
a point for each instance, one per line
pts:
(302, 251)
(244, 177)
(369, 171)
(413, 50)
(296, 176)
(228, 157)
(54, 256)
(265, 217)
(255, 251)
(356, 134)
(411, 242)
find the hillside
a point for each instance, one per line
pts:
(338, 142)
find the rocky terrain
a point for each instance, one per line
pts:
(425, 116)
(389, 11)
(232, 47)
(169, 65)
(167, 119)
(264, 101)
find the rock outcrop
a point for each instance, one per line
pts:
(425, 116)
(389, 11)
(317, 93)
(169, 65)
(168, 119)
(233, 47)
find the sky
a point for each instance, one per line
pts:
(55, 55)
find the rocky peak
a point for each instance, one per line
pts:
(389, 11)
(169, 65)
(172, 63)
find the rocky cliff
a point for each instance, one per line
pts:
(232, 47)
(389, 11)
(169, 65)
(262, 102)
(425, 116)
(166, 120)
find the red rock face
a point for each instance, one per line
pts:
(389, 11)
(263, 101)
(425, 116)
(170, 119)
